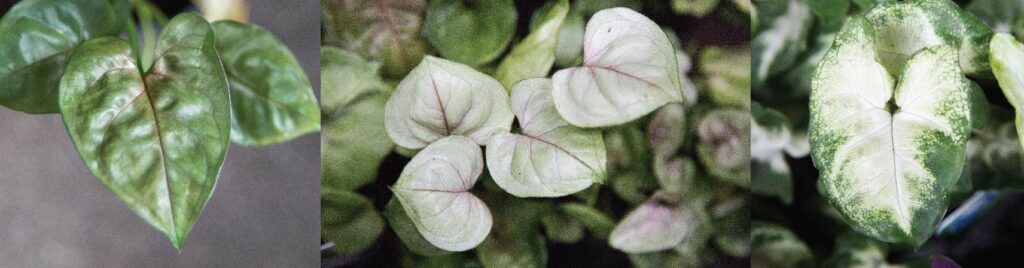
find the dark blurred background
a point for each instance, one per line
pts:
(264, 211)
(715, 29)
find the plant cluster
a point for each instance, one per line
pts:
(152, 118)
(590, 115)
(886, 99)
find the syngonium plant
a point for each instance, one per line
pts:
(152, 118)
(888, 95)
(508, 155)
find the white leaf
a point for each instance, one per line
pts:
(629, 69)
(550, 157)
(434, 190)
(441, 98)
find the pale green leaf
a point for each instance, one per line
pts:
(535, 54)
(442, 98)
(434, 190)
(1007, 61)
(549, 157)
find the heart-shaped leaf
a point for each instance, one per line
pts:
(660, 223)
(549, 157)
(533, 56)
(1007, 59)
(629, 69)
(441, 98)
(387, 31)
(889, 150)
(490, 24)
(902, 28)
(354, 141)
(158, 139)
(271, 99)
(36, 38)
(434, 190)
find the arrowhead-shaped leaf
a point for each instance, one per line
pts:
(434, 190)
(157, 140)
(889, 148)
(36, 38)
(271, 99)
(629, 69)
(441, 98)
(550, 157)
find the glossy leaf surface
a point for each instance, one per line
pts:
(157, 140)
(470, 32)
(549, 157)
(629, 69)
(271, 98)
(36, 39)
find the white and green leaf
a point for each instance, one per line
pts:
(629, 69)
(441, 98)
(434, 190)
(549, 157)
(889, 148)
(1007, 59)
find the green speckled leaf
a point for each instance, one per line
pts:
(271, 99)
(903, 28)
(354, 141)
(36, 38)
(889, 148)
(434, 190)
(441, 98)
(470, 32)
(157, 140)
(533, 56)
(549, 157)
(629, 69)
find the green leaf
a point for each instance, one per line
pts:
(36, 38)
(1006, 59)
(383, 31)
(157, 140)
(599, 224)
(533, 56)
(903, 28)
(517, 240)
(660, 223)
(856, 250)
(667, 130)
(403, 226)
(732, 225)
(724, 145)
(629, 69)
(911, 131)
(349, 220)
(633, 187)
(726, 84)
(472, 32)
(776, 246)
(441, 98)
(354, 141)
(569, 50)
(696, 8)
(549, 157)
(778, 42)
(770, 136)
(561, 228)
(434, 190)
(1004, 16)
(271, 99)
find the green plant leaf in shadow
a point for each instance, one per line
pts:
(36, 39)
(157, 140)
(470, 32)
(349, 220)
(271, 98)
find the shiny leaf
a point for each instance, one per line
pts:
(157, 140)
(271, 99)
